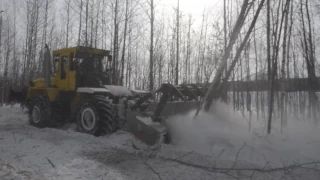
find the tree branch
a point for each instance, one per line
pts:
(235, 161)
(153, 170)
(262, 170)
(185, 155)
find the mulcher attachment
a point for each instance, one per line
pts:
(147, 124)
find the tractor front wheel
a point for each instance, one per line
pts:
(97, 116)
(40, 112)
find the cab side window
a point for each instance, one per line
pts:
(55, 65)
(64, 65)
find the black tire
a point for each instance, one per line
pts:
(40, 112)
(97, 116)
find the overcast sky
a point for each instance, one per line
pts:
(194, 7)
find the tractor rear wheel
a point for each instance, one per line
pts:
(40, 112)
(97, 116)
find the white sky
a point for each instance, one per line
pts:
(195, 7)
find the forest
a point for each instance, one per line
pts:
(275, 41)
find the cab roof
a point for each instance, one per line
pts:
(81, 51)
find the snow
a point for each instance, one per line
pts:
(223, 129)
(91, 90)
(118, 90)
(136, 91)
(211, 140)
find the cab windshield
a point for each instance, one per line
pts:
(97, 63)
(93, 63)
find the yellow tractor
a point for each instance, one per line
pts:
(74, 91)
(77, 87)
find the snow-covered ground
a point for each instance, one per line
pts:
(213, 146)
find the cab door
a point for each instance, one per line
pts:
(63, 74)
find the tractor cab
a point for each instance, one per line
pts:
(80, 66)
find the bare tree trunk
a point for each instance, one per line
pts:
(103, 26)
(7, 56)
(287, 99)
(178, 45)
(124, 42)
(248, 94)
(188, 63)
(68, 22)
(25, 63)
(44, 38)
(277, 31)
(151, 48)
(225, 96)
(6, 66)
(15, 69)
(129, 64)
(283, 74)
(91, 32)
(30, 26)
(97, 24)
(80, 22)
(225, 29)
(311, 69)
(115, 44)
(198, 72)
(2, 91)
(87, 14)
(1, 34)
(136, 66)
(215, 87)
(256, 69)
(269, 58)
(35, 40)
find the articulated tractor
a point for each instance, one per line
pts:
(77, 87)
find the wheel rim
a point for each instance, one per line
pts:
(88, 119)
(36, 114)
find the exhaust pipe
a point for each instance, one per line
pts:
(46, 66)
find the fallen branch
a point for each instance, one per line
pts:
(51, 162)
(220, 153)
(153, 170)
(310, 168)
(236, 160)
(262, 170)
(185, 155)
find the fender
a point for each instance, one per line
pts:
(92, 90)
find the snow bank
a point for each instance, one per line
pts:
(118, 90)
(216, 139)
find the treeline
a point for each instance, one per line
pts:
(152, 45)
